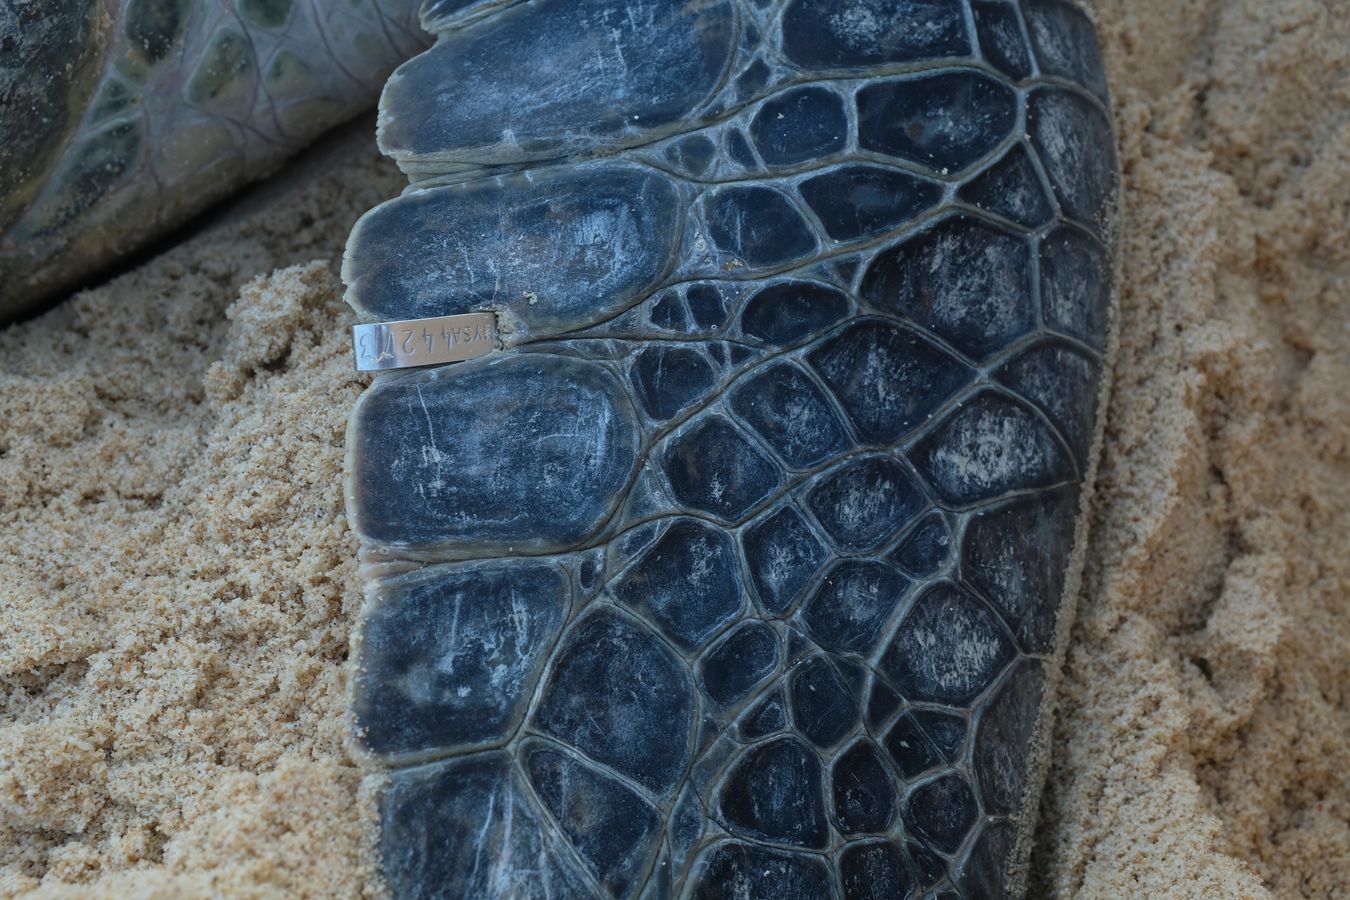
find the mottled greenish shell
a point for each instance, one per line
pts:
(117, 127)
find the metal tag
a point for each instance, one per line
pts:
(423, 342)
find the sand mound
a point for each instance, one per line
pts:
(1206, 741)
(179, 582)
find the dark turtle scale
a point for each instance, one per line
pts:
(851, 604)
(1011, 188)
(738, 570)
(999, 30)
(946, 121)
(962, 279)
(926, 547)
(874, 870)
(1065, 43)
(734, 667)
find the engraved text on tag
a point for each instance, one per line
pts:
(423, 342)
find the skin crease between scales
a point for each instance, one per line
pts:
(121, 120)
(740, 569)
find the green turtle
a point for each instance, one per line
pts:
(741, 562)
(118, 121)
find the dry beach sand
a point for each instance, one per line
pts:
(177, 582)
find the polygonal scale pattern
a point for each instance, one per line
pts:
(737, 572)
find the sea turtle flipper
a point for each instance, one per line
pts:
(743, 568)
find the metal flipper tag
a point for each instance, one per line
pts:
(423, 342)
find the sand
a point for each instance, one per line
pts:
(178, 583)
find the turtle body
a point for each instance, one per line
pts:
(739, 570)
(121, 120)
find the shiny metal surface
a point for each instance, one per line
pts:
(423, 342)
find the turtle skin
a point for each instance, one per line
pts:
(740, 570)
(121, 120)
